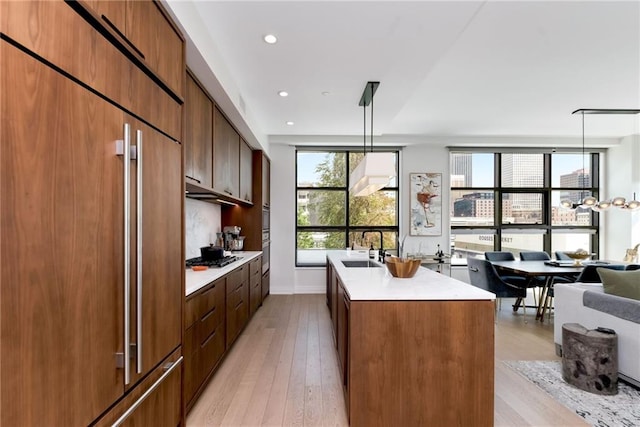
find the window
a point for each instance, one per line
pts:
(328, 217)
(511, 202)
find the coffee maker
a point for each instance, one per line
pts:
(233, 241)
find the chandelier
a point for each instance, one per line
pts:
(590, 201)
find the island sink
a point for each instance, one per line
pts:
(360, 263)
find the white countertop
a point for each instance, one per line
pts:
(195, 280)
(363, 283)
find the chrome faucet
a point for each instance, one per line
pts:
(381, 251)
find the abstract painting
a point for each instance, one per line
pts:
(425, 204)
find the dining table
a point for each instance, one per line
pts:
(548, 270)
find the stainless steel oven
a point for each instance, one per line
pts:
(265, 219)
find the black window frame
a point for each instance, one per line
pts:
(546, 227)
(347, 228)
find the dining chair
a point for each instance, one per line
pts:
(534, 256)
(561, 256)
(499, 256)
(633, 267)
(483, 275)
(590, 274)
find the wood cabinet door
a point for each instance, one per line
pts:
(198, 145)
(111, 12)
(161, 293)
(226, 146)
(266, 181)
(61, 282)
(161, 407)
(158, 42)
(246, 163)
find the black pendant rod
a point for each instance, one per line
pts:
(372, 117)
(364, 131)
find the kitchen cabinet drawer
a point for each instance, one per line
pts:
(265, 285)
(191, 348)
(191, 311)
(211, 351)
(78, 45)
(255, 266)
(208, 322)
(237, 278)
(236, 319)
(255, 293)
(162, 407)
(148, 33)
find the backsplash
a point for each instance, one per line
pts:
(202, 221)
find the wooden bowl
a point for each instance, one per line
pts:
(402, 268)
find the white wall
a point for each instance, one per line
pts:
(622, 228)
(201, 222)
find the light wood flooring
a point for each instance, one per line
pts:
(283, 370)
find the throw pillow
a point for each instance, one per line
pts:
(621, 283)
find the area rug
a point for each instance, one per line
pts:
(622, 409)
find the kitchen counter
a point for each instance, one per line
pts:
(376, 283)
(194, 280)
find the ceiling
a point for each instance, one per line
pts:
(446, 68)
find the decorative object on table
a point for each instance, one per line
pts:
(578, 256)
(402, 268)
(590, 201)
(425, 208)
(598, 410)
(590, 358)
(632, 254)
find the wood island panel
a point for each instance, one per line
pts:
(421, 363)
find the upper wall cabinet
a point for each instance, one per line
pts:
(226, 155)
(246, 163)
(156, 43)
(198, 134)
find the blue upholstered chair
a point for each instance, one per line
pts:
(561, 256)
(483, 275)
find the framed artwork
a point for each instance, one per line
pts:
(425, 208)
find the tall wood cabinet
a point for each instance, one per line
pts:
(91, 252)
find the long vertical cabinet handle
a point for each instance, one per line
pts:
(127, 252)
(139, 253)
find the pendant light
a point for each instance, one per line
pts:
(590, 201)
(375, 170)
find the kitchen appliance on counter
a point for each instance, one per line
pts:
(233, 241)
(216, 263)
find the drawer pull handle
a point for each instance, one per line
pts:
(168, 369)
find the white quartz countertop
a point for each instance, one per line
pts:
(371, 283)
(195, 280)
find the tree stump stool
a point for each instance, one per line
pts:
(590, 358)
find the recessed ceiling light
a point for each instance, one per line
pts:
(289, 123)
(325, 93)
(283, 93)
(270, 38)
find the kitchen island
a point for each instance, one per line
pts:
(412, 352)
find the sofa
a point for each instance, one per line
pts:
(588, 305)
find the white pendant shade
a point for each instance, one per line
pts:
(373, 173)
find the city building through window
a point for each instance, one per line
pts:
(511, 202)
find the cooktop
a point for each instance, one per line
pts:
(212, 263)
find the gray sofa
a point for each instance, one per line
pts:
(588, 305)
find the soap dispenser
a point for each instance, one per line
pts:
(372, 252)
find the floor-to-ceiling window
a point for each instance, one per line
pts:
(328, 216)
(510, 201)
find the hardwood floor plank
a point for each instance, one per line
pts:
(274, 412)
(277, 321)
(283, 370)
